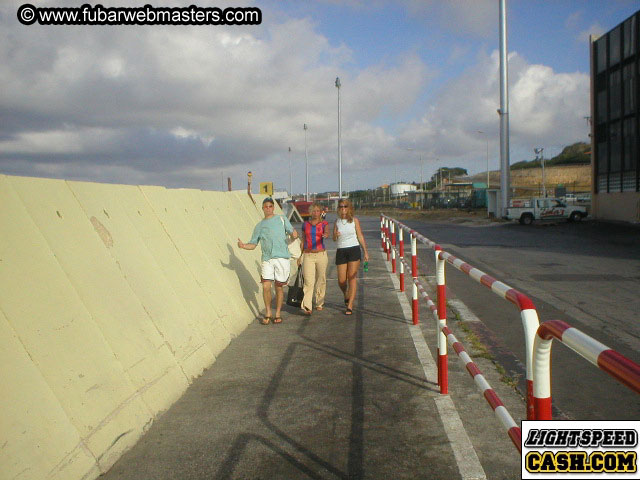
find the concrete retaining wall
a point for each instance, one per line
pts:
(619, 206)
(113, 298)
(576, 178)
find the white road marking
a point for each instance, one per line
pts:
(466, 457)
(463, 311)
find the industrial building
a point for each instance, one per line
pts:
(615, 139)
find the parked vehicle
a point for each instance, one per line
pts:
(528, 210)
(303, 209)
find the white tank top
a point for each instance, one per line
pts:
(348, 237)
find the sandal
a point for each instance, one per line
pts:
(306, 311)
(348, 312)
(319, 308)
(277, 320)
(265, 320)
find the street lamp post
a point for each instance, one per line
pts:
(290, 176)
(338, 84)
(306, 159)
(505, 178)
(538, 151)
(421, 177)
(487, 138)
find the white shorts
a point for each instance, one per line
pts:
(276, 269)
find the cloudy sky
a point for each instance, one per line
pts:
(186, 106)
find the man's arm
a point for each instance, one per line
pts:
(246, 246)
(288, 228)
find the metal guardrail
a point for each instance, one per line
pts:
(538, 337)
(528, 312)
(483, 386)
(615, 364)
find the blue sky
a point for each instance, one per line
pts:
(189, 106)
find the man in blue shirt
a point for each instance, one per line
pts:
(271, 233)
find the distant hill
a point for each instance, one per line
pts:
(578, 153)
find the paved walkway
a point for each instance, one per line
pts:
(332, 396)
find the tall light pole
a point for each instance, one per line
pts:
(421, 177)
(306, 159)
(339, 142)
(290, 177)
(487, 138)
(538, 152)
(505, 180)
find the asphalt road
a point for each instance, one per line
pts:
(587, 274)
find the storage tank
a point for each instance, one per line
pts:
(400, 189)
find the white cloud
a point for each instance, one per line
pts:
(477, 18)
(225, 98)
(183, 106)
(545, 109)
(595, 29)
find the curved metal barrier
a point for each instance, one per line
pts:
(487, 392)
(538, 337)
(528, 312)
(616, 365)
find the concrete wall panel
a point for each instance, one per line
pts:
(160, 245)
(112, 299)
(144, 275)
(32, 415)
(230, 224)
(219, 237)
(180, 222)
(205, 311)
(61, 337)
(101, 285)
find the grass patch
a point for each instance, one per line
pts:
(480, 350)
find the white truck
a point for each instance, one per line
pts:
(528, 210)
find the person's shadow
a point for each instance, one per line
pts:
(248, 282)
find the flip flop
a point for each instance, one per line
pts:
(348, 312)
(277, 320)
(306, 311)
(319, 308)
(265, 320)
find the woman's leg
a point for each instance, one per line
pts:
(352, 277)
(342, 278)
(321, 279)
(309, 272)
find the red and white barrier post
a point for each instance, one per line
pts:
(615, 364)
(401, 247)
(488, 393)
(528, 314)
(393, 247)
(382, 231)
(415, 313)
(387, 240)
(443, 372)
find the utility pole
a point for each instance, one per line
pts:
(505, 181)
(338, 85)
(538, 152)
(290, 177)
(487, 139)
(306, 159)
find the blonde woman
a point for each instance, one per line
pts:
(314, 259)
(348, 235)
